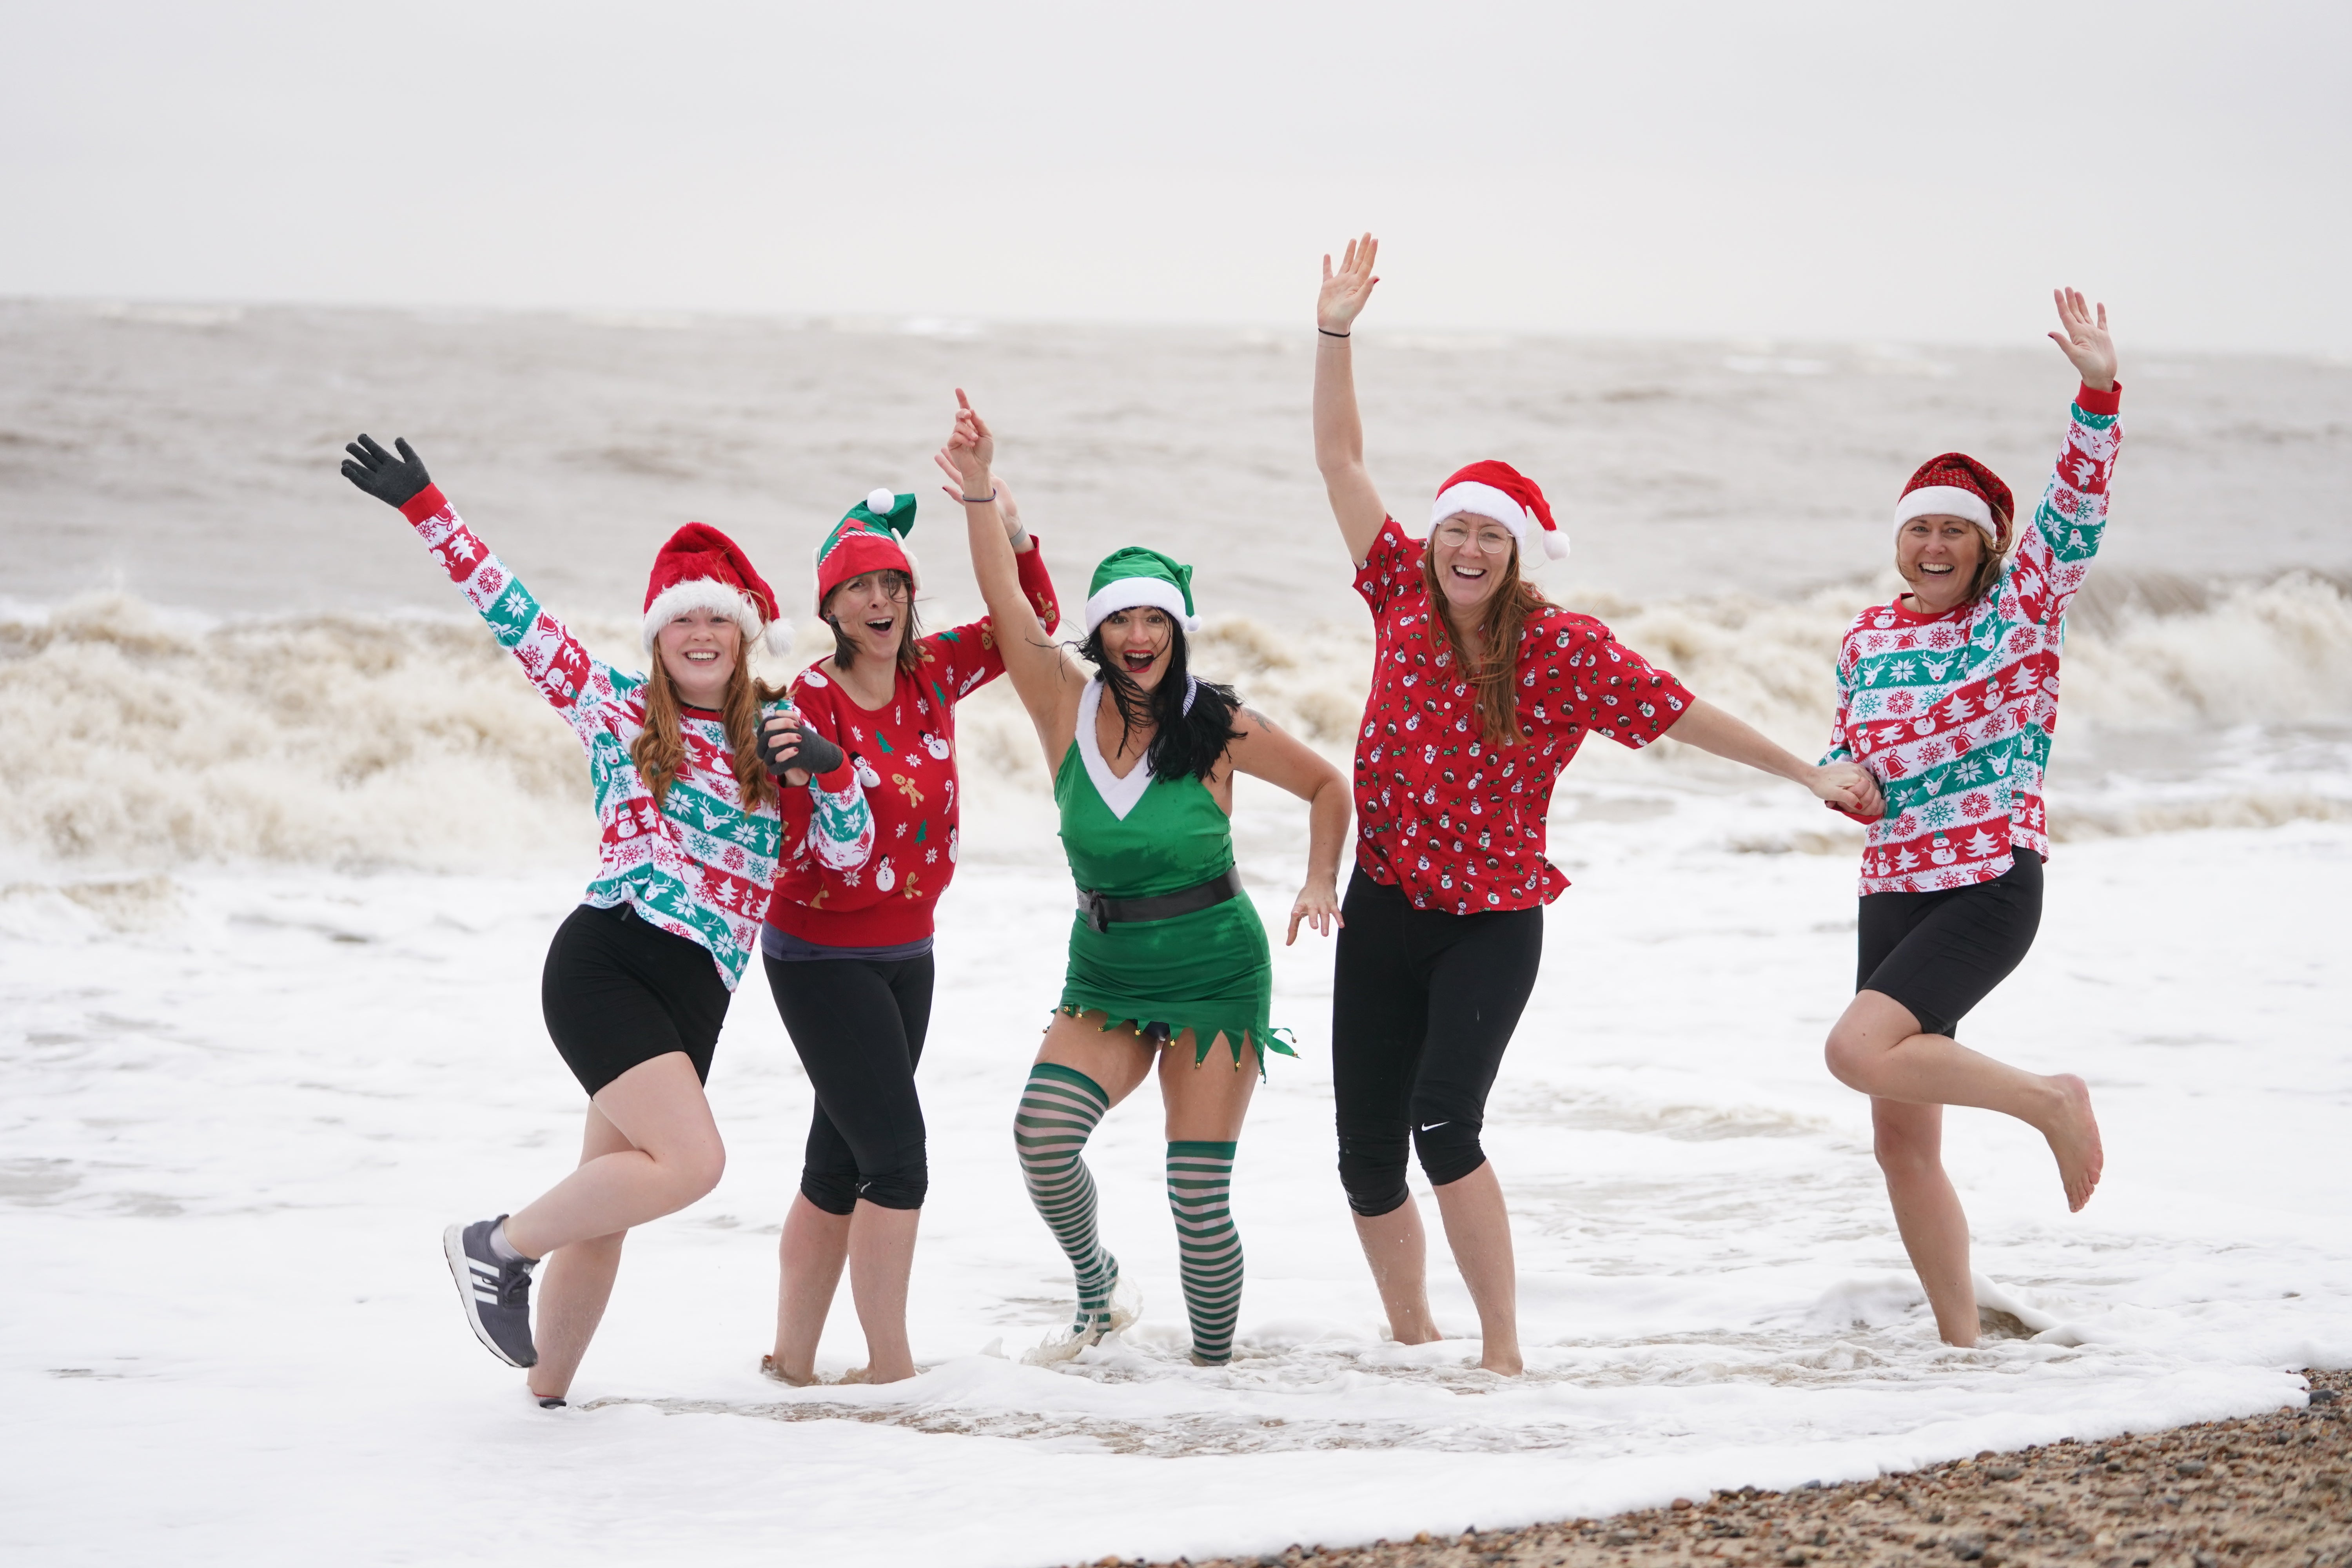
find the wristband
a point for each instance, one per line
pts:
(1329, 334)
(976, 500)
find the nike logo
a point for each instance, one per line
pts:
(1432, 1126)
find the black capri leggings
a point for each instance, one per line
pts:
(1422, 1005)
(618, 993)
(1941, 953)
(858, 1026)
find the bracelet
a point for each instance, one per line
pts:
(1329, 334)
(976, 500)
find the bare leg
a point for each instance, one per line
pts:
(1398, 1250)
(881, 1257)
(1910, 1146)
(576, 1284)
(1877, 1048)
(815, 1246)
(673, 1157)
(1478, 1229)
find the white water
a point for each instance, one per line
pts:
(243, 1104)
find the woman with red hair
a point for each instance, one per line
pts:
(1482, 691)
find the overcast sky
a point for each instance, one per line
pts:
(1905, 172)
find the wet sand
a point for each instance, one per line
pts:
(2270, 1488)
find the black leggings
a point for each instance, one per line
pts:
(1941, 953)
(618, 993)
(858, 1026)
(1422, 1005)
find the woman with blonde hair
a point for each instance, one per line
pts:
(638, 976)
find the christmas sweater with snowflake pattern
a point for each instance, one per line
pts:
(699, 865)
(1954, 713)
(871, 845)
(1457, 823)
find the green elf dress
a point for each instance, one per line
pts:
(1140, 837)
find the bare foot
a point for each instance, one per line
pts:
(1503, 1363)
(2075, 1140)
(770, 1367)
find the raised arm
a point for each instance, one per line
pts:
(1263, 752)
(2053, 554)
(1339, 428)
(550, 655)
(1038, 667)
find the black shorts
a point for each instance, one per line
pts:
(1941, 953)
(617, 992)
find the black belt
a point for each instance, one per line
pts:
(1102, 913)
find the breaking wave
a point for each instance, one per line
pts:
(141, 737)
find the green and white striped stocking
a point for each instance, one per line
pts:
(1200, 1185)
(1059, 1108)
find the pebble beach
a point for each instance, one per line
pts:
(2268, 1488)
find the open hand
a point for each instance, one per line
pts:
(1347, 291)
(1319, 905)
(395, 481)
(2085, 339)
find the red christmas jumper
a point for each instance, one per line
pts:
(870, 847)
(1457, 823)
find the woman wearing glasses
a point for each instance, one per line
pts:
(1482, 690)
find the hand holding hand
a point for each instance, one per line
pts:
(1849, 787)
(1347, 291)
(1319, 905)
(2083, 340)
(395, 481)
(788, 749)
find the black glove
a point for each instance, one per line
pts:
(803, 748)
(395, 481)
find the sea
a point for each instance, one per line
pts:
(285, 836)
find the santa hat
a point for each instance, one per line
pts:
(870, 537)
(702, 568)
(1136, 578)
(1954, 484)
(1500, 491)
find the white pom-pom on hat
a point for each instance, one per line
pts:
(881, 502)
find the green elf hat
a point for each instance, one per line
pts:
(1134, 578)
(871, 537)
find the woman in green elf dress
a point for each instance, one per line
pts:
(1168, 965)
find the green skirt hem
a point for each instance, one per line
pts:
(1119, 1012)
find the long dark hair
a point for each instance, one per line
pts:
(911, 634)
(1186, 742)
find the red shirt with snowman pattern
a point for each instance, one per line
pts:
(1457, 823)
(869, 847)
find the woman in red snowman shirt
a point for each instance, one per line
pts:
(1482, 690)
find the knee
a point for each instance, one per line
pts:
(1372, 1169)
(1902, 1157)
(1449, 1150)
(697, 1169)
(1850, 1055)
(835, 1192)
(903, 1186)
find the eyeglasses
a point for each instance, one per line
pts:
(1453, 536)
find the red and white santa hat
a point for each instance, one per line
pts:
(1953, 484)
(1500, 491)
(702, 568)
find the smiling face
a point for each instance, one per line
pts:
(1470, 553)
(699, 650)
(1137, 641)
(1938, 555)
(871, 611)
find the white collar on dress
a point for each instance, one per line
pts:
(1118, 794)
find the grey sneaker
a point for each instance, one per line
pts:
(497, 1295)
